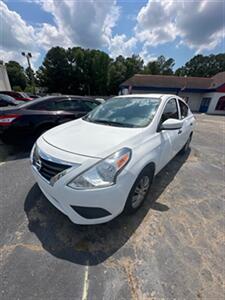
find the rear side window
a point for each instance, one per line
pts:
(70, 105)
(43, 105)
(170, 111)
(183, 109)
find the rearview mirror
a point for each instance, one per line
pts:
(171, 124)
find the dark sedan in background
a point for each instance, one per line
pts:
(20, 96)
(37, 116)
(6, 100)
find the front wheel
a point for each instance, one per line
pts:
(139, 191)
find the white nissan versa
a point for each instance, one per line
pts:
(95, 167)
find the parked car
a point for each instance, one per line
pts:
(94, 168)
(39, 115)
(17, 95)
(6, 100)
(30, 95)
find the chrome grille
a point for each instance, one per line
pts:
(48, 166)
(49, 169)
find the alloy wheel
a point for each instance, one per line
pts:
(140, 191)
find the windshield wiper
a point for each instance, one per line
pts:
(110, 123)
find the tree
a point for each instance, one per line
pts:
(29, 74)
(161, 66)
(121, 69)
(203, 66)
(55, 71)
(98, 72)
(134, 65)
(16, 75)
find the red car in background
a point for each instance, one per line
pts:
(17, 95)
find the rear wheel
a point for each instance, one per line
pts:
(139, 191)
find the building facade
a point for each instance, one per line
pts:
(206, 95)
(4, 79)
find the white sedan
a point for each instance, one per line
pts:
(94, 168)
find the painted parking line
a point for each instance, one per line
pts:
(85, 284)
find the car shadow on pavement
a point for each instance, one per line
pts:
(91, 245)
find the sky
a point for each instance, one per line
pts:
(149, 28)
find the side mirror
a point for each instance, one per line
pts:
(172, 124)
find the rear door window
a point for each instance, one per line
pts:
(70, 105)
(43, 105)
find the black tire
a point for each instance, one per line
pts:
(146, 174)
(186, 147)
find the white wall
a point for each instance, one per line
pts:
(194, 100)
(4, 80)
(214, 99)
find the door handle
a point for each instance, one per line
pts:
(180, 131)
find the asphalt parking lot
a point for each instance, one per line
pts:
(172, 248)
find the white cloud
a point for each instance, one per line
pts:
(14, 32)
(84, 23)
(16, 55)
(197, 24)
(121, 45)
(76, 23)
(146, 54)
(48, 36)
(16, 36)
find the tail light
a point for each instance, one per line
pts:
(8, 119)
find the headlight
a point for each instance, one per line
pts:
(34, 153)
(104, 173)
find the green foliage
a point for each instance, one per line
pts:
(17, 88)
(85, 71)
(29, 89)
(203, 66)
(54, 73)
(81, 71)
(122, 69)
(16, 75)
(161, 66)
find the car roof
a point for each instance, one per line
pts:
(39, 100)
(152, 95)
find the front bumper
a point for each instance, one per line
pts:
(93, 206)
(111, 200)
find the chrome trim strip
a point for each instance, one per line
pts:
(56, 160)
(50, 158)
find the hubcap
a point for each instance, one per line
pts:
(140, 191)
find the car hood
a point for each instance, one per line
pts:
(90, 139)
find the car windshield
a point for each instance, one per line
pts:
(125, 112)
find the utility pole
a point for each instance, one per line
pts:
(28, 56)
